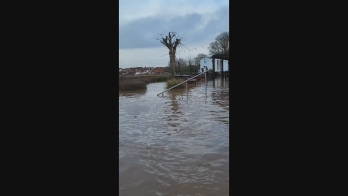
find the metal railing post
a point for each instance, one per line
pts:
(186, 87)
(186, 90)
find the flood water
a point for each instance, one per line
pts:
(177, 144)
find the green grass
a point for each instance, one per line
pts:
(149, 80)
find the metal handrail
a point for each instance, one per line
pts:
(182, 82)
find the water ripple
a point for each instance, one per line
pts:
(176, 144)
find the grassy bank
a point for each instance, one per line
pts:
(130, 83)
(173, 82)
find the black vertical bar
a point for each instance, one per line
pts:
(213, 68)
(229, 68)
(222, 68)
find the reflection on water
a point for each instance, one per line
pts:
(176, 144)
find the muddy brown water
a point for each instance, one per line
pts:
(176, 144)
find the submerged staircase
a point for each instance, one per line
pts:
(190, 80)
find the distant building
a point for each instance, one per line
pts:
(158, 70)
(167, 69)
(145, 70)
(208, 62)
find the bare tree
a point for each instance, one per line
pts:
(221, 44)
(198, 58)
(190, 60)
(171, 41)
(182, 62)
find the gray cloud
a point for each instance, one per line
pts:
(218, 25)
(142, 33)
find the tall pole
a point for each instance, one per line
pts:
(222, 68)
(205, 69)
(186, 89)
(213, 68)
(206, 95)
(179, 67)
(190, 68)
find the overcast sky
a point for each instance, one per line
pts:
(198, 22)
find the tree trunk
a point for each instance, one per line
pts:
(172, 61)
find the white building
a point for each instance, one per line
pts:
(208, 62)
(142, 73)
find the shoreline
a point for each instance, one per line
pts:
(139, 82)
